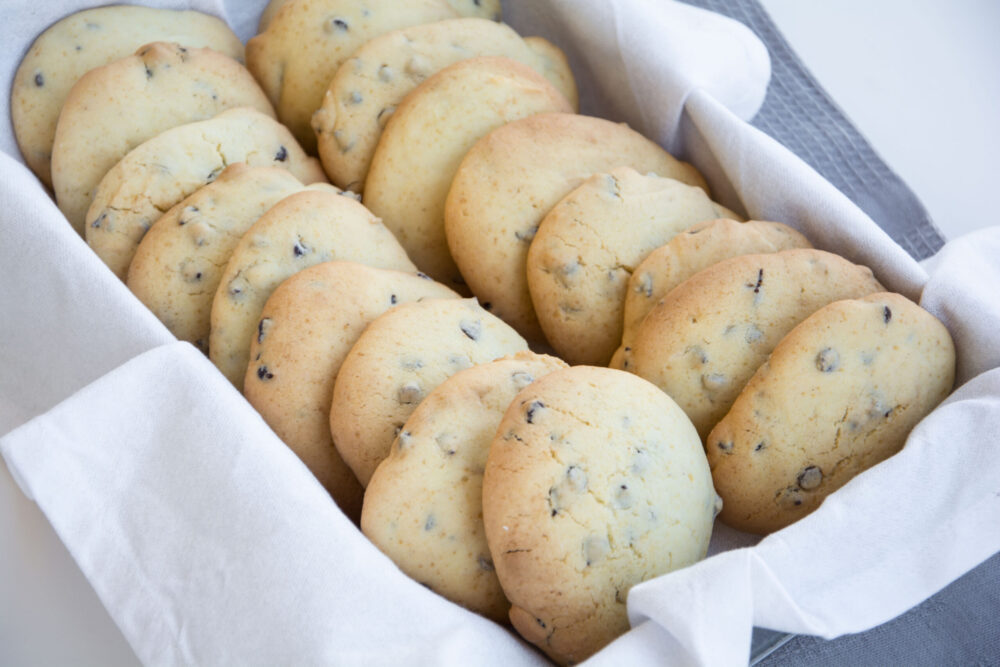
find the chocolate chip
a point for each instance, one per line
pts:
(421, 274)
(471, 328)
(810, 478)
(790, 497)
(645, 285)
(39, 80)
(760, 446)
(532, 409)
(409, 394)
(760, 281)
(299, 249)
(214, 174)
(540, 622)
(725, 446)
(527, 235)
(521, 379)
(354, 98)
(576, 478)
(595, 548)
(713, 381)
(149, 72)
(411, 363)
(393, 300)
(336, 25)
(753, 335)
(262, 328)
(623, 497)
(886, 314)
(96, 224)
(263, 373)
(405, 438)
(430, 522)
(828, 360)
(385, 74)
(282, 154)
(485, 564)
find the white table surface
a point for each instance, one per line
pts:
(919, 78)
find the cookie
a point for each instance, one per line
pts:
(704, 340)
(179, 262)
(512, 177)
(595, 481)
(423, 506)
(306, 42)
(426, 139)
(114, 108)
(839, 394)
(78, 43)
(585, 250)
(160, 172)
(305, 330)
(301, 230)
(370, 85)
(686, 254)
(270, 11)
(399, 359)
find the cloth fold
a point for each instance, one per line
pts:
(209, 542)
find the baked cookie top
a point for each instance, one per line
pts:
(512, 177)
(595, 482)
(689, 252)
(370, 84)
(704, 340)
(307, 40)
(400, 358)
(305, 329)
(164, 170)
(839, 394)
(423, 506)
(179, 262)
(78, 43)
(587, 246)
(114, 108)
(426, 139)
(302, 230)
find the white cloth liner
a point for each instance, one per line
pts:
(209, 542)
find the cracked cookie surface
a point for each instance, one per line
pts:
(423, 506)
(595, 482)
(839, 394)
(400, 358)
(301, 230)
(580, 261)
(689, 252)
(162, 171)
(179, 262)
(704, 340)
(114, 108)
(512, 177)
(428, 136)
(371, 84)
(78, 43)
(305, 330)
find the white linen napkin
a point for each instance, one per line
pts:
(210, 543)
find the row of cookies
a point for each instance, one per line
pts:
(796, 367)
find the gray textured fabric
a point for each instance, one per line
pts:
(799, 114)
(958, 625)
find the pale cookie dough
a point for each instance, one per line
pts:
(488, 8)
(91, 38)
(704, 340)
(305, 330)
(301, 230)
(178, 264)
(595, 482)
(370, 85)
(424, 504)
(398, 360)
(114, 108)
(307, 40)
(428, 136)
(512, 177)
(587, 246)
(839, 394)
(686, 254)
(157, 174)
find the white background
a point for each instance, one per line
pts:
(920, 79)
